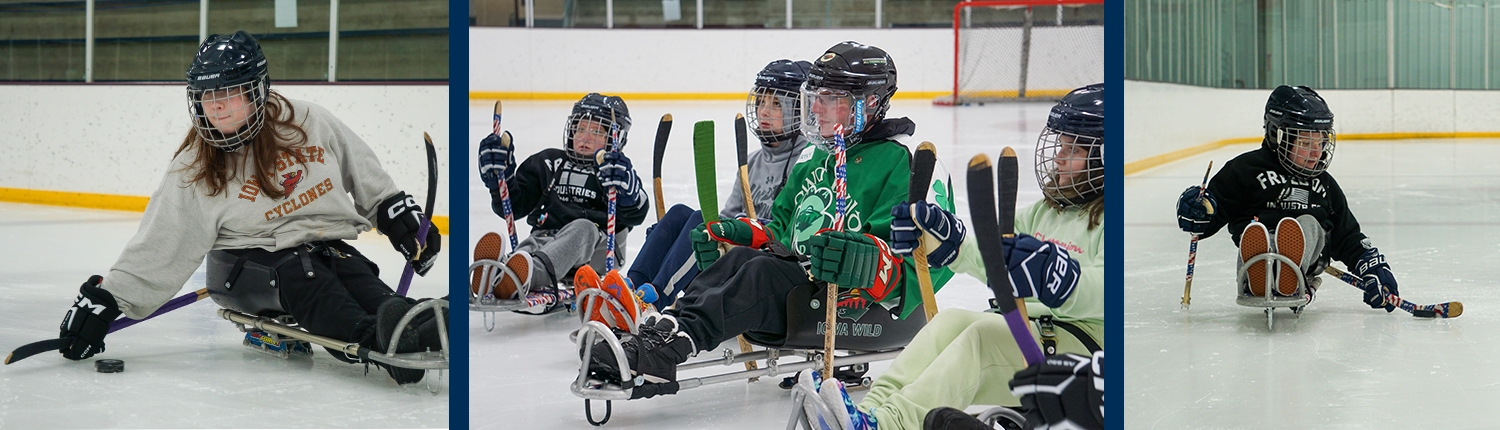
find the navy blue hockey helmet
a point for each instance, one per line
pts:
(1070, 151)
(776, 92)
(860, 76)
(227, 86)
(597, 115)
(1299, 127)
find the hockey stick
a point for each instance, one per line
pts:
(35, 348)
(609, 224)
(505, 143)
(1441, 310)
(987, 232)
(1008, 171)
(921, 176)
(741, 150)
(1187, 288)
(663, 129)
(432, 173)
(841, 194)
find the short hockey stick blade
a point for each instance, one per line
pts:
(1441, 310)
(921, 177)
(410, 270)
(1008, 171)
(703, 163)
(39, 347)
(741, 148)
(663, 130)
(987, 232)
(497, 117)
(1187, 286)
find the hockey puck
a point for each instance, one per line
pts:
(109, 366)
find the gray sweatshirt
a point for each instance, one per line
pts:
(768, 169)
(331, 196)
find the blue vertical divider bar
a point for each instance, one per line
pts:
(1114, 237)
(458, 213)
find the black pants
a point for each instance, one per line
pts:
(328, 287)
(744, 291)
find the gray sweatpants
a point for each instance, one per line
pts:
(562, 250)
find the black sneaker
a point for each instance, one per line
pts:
(388, 316)
(653, 354)
(950, 418)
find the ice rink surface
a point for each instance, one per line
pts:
(187, 368)
(1431, 206)
(520, 371)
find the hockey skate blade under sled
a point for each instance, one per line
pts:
(1270, 300)
(426, 360)
(874, 336)
(274, 344)
(488, 305)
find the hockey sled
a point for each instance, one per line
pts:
(489, 272)
(1270, 300)
(873, 335)
(806, 402)
(426, 360)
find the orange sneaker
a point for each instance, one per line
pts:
(1255, 241)
(1289, 243)
(484, 277)
(619, 287)
(519, 264)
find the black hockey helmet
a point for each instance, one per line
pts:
(779, 83)
(849, 69)
(1074, 133)
(1299, 127)
(607, 112)
(226, 67)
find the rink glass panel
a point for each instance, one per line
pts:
(1327, 44)
(153, 40)
(727, 13)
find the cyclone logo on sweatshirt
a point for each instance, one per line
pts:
(289, 181)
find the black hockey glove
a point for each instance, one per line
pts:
(1376, 279)
(942, 232)
(399, 217)
(616, 171)
(1040, 269)
(1194, 213)
(1064, 391)
(495, 160)
(88, 321)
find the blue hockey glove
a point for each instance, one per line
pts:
(495, 160)
(617, 172)
(1194, 213)
(941, 232)
(1376, 279)
(1040, 269)
(88, 320)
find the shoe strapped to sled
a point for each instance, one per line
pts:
(1273, 278)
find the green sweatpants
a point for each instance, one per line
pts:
(960, 358)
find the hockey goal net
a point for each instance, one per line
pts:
(1025, 49)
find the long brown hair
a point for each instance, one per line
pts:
(280, 136)
(1094, 208)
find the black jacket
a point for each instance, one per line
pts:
(550, 190)
(1254, 184)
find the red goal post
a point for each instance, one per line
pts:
(1011, 63)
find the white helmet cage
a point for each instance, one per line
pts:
(239, 108)
(1304, 151)
(1069, 167)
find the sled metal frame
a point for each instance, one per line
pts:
(426, 360)
(488, 305)
(593, 332)
(1270, 301)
